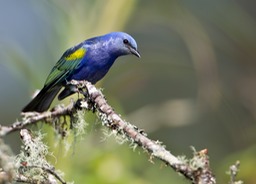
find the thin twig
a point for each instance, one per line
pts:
(233, 171)
(31, 146)
(50, 171)
(34, 117)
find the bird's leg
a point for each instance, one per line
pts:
(80, 88)
(90, 102)
(87, 101)
(84, 92)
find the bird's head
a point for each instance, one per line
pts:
(121, 44)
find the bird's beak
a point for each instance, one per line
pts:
(135, 52)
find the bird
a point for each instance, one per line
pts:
(89, 60)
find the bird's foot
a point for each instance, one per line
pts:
(86, 103)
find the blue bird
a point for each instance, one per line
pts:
(89, 60)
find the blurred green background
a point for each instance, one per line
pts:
(194, 85)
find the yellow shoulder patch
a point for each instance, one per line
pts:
(78, 54)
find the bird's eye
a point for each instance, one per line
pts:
(125, 41)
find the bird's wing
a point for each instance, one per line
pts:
(69, 61)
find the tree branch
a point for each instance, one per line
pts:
(196, 169)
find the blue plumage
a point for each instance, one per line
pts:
(89, 60)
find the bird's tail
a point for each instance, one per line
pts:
(43, 100)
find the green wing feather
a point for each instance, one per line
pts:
(69, 61)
